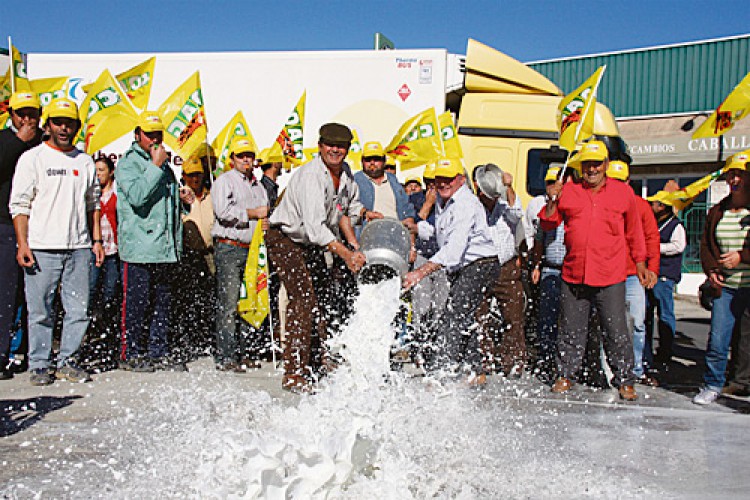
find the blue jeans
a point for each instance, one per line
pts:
(104, 280)
(549, 312)
(70, 270)
(231, 330)
(727, 309)
(147, 303)
(661, 299)
(635, 300)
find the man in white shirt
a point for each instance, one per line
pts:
(55, 207)
(469, 255)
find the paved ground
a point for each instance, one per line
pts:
(663, 445)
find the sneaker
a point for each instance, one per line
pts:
(649, 380)
(72, 373)
(562, 385)
(42, 376)
(706, 396)
(627, 392)
(6, 373)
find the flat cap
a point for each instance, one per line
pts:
(336, 134)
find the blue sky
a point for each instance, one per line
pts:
(526, 30)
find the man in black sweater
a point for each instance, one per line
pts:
(22, 135)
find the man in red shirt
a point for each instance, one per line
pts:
(602, 226)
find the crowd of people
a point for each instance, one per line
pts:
(137, 269)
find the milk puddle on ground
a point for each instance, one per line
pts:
(367, 433)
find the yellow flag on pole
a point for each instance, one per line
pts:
(136, 82)
(15, 79)
(575, 113)
(49, 89)
(683, 197)
(451, 144)
(236, 127)
(253, 304)
(735, 107)
(106, 114)
(184, 117)
(288, 143)
(417, 142)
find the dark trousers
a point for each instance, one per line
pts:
(101, 347)
(576, 302)
(147, 302)
(9, 281)
(739, 372)
(458, 346)
(303, 272)
(500, 316)
(193, 307)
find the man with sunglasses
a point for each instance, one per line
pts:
(150, 241)
(23, 134)
(240, 203)
(55, 207)
(305, 224)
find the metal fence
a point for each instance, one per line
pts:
(694, 220)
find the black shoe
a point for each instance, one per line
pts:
(5, 374)
(72, 373)
(138, 365)
(167, 365)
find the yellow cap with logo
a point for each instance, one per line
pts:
(150, 121)
(552, 174)
(241, 145)
(737, 161)
(448, 168)
(62, 108)
(372, 148)
(590, 151)
(24, 100)
(618, 170)
(192, 165)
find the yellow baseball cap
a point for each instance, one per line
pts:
(429, 172)
(372, 148)
(737, 161)
(150, 121)
(241, 145)
(591, 151)
(664, 197)
(618, 170)
(192, 165)
(552, 174)
(413, 178)
(448, 167)
(24, 100)
(62, 108)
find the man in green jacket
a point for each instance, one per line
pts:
(150, 243)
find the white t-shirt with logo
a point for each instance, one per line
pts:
(55, 189)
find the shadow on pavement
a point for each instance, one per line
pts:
(17, 415)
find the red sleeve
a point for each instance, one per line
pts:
(634, 230)
(551, 222)
(651, 232)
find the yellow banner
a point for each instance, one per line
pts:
(236, 127)
(136, 82)
(575, 113)
(734, 108)
(451, 144)
(49, 89)
(106, 114)
(253, 304)
(354, 157)
(417, 142)
(184, 117)
(289, 141)
(15, 79)
(685, 196)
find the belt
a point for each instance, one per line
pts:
(234, 243)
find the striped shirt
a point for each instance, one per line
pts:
(730, 235)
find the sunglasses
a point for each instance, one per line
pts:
(59, 122)
(26, 112)
(373, 158)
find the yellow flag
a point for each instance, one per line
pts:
(15, 79)
(289, 141)
(734, 108)
(136, 82)
(4, 120)
(575, 113)
(184, 117)
(236, 127)
(417, 142)
(451, 145)
(685, 196)
(354, 157)
(253, 304)
(49, 89)
(106, 114)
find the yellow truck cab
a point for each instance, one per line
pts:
(507, 116)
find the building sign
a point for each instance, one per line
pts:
(683, 149)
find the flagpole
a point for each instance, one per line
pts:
(583, 118)
(12, 69)
(270, 328)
